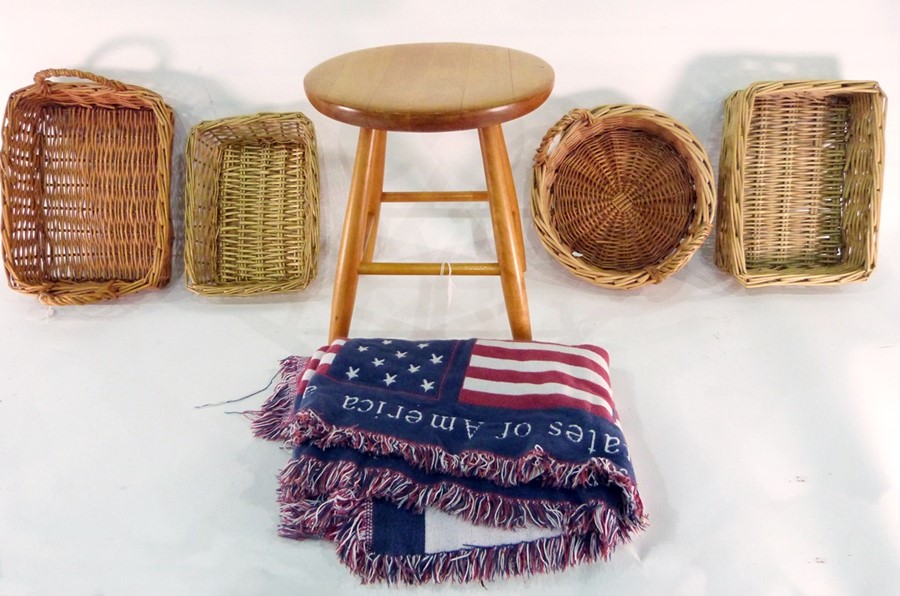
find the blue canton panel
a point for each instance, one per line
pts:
(416, 368)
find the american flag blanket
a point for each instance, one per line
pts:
(453, 460)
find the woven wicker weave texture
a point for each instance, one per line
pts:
(251, 217)
(622, 195)
(800, 182)
(85, 170)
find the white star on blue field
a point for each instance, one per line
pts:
(398, 365)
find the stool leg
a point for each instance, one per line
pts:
(374, 190)
(507, 229)
(346, 277)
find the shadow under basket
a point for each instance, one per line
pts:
(86, 179)
(251, 205)
(622, 195)
(800, 182)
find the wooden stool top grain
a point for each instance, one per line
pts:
(429, 87)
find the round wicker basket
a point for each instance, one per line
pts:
(622, 195)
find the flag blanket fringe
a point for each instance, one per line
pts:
(453, 460)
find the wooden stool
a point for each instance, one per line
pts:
(436, 87)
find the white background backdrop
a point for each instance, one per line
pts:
(763, 424)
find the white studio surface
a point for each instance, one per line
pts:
(763, 424)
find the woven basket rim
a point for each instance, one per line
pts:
(586, 122)
(813, 86)
(241, 119)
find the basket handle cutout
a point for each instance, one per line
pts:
(554, 136)
(40, 78)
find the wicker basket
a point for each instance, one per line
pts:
(251, 205)
(85, 177)
(622, 195)
(800, 182)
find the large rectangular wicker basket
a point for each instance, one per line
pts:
(251, 205)
(800, 182)
(85, 178)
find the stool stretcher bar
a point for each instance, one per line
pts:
(435, 197)
(386, 268)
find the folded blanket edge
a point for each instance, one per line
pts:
(309, 428)
(346, 520)
(304, 480)
(486, 563)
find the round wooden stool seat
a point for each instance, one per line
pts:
(429, 87)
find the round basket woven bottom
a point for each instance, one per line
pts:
(623, 200)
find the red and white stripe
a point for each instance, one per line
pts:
(319, 363)
(529, 375)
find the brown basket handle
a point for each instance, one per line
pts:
(548, 142)
(40, 78)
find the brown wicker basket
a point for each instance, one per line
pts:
(800, 182)
(251, 205)
(85, 178)
(622, 195)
